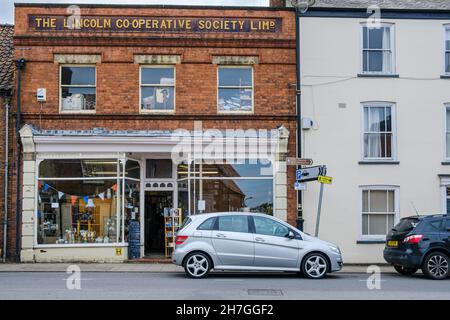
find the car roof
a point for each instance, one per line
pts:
(429, 216)
(215, 214)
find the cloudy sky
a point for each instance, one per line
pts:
(7, 6)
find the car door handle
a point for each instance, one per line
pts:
(260, 240)
(220, 235)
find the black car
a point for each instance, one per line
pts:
(420, 242)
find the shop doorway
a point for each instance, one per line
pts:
(155, 202)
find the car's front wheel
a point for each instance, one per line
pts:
(315, 266)
(197, 265)
(405, 271)
(436, 266)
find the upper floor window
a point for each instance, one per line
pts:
(157, 88)
(78, 88)
(235, 92)
(378, 135)
(378, 49)
(447, 49)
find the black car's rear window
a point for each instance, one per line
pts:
(406, 225)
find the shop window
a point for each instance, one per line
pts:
(221, 186)
(78, 88)
(235, 89)
(378, 49)
(157, 88)
(379, 211)
(378, 135)
(86, 201)
(158, 168)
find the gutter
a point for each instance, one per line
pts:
(300, 219)
(20, 64)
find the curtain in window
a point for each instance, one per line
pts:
(377, 132)
(387, 53)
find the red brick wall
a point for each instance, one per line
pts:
(278, 3)
(196, 76)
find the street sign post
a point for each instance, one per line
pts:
(299, 162)
(311, 173)
(322, 180)
(299, 186)
(325, 179)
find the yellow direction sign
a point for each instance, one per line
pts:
(325, 179)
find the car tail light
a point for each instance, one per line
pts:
(414, 239)
(180, 240)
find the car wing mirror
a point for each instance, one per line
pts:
(291, 235)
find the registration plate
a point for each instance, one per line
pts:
(392, 243)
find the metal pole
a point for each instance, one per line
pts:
(299, 112)
(20, 65)
(319, 209)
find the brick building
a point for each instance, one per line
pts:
(127, 111)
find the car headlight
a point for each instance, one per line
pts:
(335, 249)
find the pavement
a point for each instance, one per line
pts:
(217, 286)
(137, 267)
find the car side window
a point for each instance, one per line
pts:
(270, 227)
(233, 224)
(448, 224)
(208, 224)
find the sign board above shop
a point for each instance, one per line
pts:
(153, 24)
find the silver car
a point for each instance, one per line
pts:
(250, 241)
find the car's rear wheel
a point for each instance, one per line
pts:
(315, 266)
(405, 271)
(436, 266)
(197, 265)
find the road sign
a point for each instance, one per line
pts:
(299, 186)
(299, 162)
(311, 173)
(325, 179)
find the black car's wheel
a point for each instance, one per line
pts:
(197, 265)
(405, 271)
(436, 266)
(315, 266)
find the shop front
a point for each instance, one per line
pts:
(92, 196)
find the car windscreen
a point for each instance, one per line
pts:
(406, 225)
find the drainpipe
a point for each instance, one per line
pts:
(5, 217)
(20, 64)
(300, 219)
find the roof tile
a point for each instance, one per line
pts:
(6, 57)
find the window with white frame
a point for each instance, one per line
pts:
(157, 88)
(447, 131)
(86, 201)
(235, 89)
(378, 49)
(78, 88)
(447, 49)
(379, 211)
(378, 131)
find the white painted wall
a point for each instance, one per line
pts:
(331, 52)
